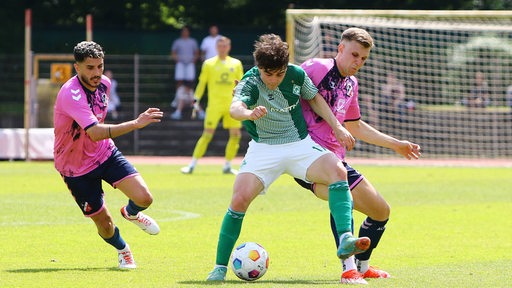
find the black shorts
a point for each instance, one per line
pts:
(87, 189)
(354, 178)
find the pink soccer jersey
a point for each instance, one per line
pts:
(339, 92)
(76, 109)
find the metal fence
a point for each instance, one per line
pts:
(148, 80)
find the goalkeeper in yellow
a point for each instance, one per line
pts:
(219, 74)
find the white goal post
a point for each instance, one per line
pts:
(420, 82)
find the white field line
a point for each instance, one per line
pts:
(179, 216)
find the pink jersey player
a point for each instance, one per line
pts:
(77, 109)
(341, 95)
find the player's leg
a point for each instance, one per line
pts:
(350, 275)
(329, 170)
(122, 175)
(179, 77)
(262, 165)
(235, 134)
(110, 233)
(247, 187)
(211, 121)
(88, 194)
(369, 202)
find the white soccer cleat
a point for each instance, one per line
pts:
(187, 170)
(229, 170)
(143, 221)
(126, 260)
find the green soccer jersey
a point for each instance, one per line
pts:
(284, 122)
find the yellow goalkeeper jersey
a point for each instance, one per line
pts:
(220, 77)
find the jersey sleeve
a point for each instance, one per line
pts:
(308, 90)
(203, 80)
(74, 103)
(246, 91)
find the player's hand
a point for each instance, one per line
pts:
(408, 149)
(195, 108)
(345, 138)
(152, 115)
(257, 113)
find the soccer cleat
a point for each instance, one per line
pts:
(126, 260)
(352, 277)
(229, 170)
(187, 170)
(143, 221)
(350, 245)
(217, 274)
(372, 272)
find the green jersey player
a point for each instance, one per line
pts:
(267, 100)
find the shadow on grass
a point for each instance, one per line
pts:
(52, 270)
(290, 282)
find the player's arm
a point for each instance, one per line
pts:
(202, 82)
(239, 111)
(363, 131)
(322, 109)
(103, 131)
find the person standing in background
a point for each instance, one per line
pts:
(219, 74)
(479, 93)
(209, 43)
(185, 53)
(114, 101)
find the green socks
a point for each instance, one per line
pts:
(340, 204)
(229, 232)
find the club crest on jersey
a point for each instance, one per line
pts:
(104, 99)
(296, 89)
(349, 89)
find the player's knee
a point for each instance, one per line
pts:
(382, 213)
(146, 200)
(338, 173)
(207, 135)
(240, 201)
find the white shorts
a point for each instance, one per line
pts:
(268, 162)
(185, 71)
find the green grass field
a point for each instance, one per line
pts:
(449, 227)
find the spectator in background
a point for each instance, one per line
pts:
(185, 53)
(208, 45)
(479, 94)
(393, 97)
(218, 74)
(114, 102)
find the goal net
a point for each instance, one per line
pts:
(437, 78)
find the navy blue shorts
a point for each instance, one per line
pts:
(87, 189)
(353, 176)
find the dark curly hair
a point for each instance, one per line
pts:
(271, 53)
(87, 49)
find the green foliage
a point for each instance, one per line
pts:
(449, 228)
(490, 53)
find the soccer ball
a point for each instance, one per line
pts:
(249, 261)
